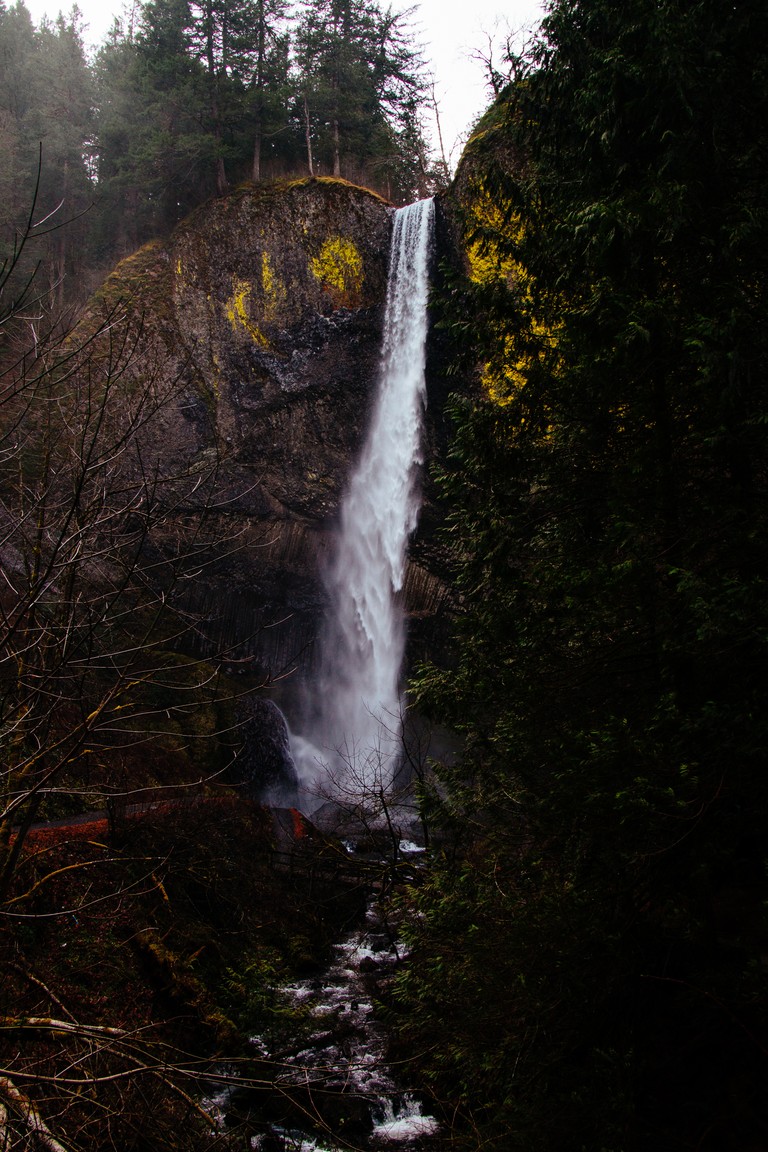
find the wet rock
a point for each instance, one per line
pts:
(259, 323)
(264, 767)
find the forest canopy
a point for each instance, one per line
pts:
(588, 967)
(186, 101)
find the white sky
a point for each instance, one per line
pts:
(450, 30)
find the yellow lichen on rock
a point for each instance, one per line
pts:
(339, 268)
(237, 311)
(489, 261)
(216, 375)
(267, 275)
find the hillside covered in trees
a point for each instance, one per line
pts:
(186, 101)
(589, 963)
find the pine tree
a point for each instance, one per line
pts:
(217, 39)
(158, 153)
(18, 84)
(64, 123)
(361, 84)
(120, 220)
(47, 139)
(268, 92)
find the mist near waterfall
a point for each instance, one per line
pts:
(349, 743)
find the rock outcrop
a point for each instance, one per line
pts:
(264, 768)
(261, 317)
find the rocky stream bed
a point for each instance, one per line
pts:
(335, 1090)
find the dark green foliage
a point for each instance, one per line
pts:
(187, 100)
(158, 148)
(604, 905)
(361, 89)
(46, 145)
(269, 88)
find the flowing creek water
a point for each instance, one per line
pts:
(341, 1073)
(333, 1090)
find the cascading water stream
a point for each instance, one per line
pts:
(351, 736)
(351, 740)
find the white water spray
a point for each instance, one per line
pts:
(353, 731)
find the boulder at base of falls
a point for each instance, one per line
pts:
(263, 768)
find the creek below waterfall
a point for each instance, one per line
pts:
(334, 1090)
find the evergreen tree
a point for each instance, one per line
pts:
(46, 141)
(608, 504)
(361, 84)
(18, 85)
(121, 200)
(176, 146)
(64, 123)
(220, 38)
(187, 100)
(268, 84)
(157, 150)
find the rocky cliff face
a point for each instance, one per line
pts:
(263, 313)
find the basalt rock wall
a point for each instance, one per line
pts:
(261, 320)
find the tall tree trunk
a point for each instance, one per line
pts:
(256, 167)
(336, 150)
(58, 250)
(308, 134)
(261, 51)
(222, 184)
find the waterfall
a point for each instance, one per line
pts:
(351, 737)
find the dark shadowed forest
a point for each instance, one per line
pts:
(589, 967)
(586, 945)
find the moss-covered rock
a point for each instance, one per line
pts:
(260, 320)
(277, 293)
(259, 325)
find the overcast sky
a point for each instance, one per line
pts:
(450, 31)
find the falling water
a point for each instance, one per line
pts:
(353, 727)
